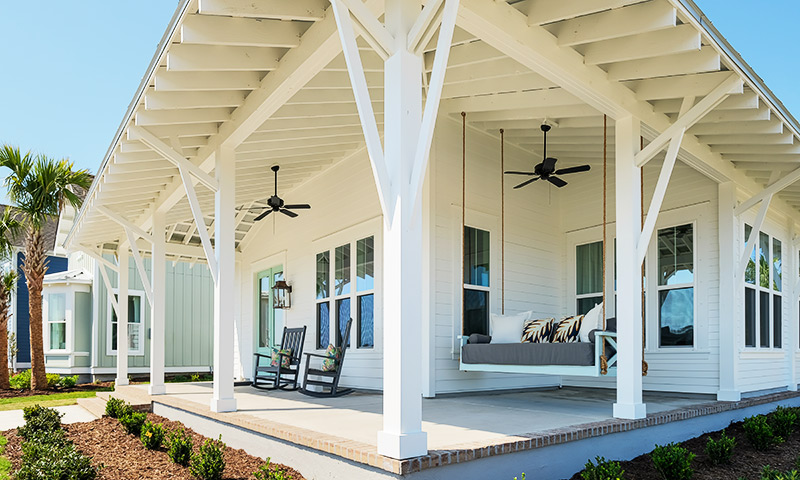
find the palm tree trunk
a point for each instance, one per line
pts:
(4, 377)
(35, 267)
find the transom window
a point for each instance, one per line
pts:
(763, 285)
(353, 285)
(676, 281)
(135, 325)
(476, 281)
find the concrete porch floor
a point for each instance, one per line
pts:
(451, 421)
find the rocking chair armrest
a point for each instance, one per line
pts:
(316, 355)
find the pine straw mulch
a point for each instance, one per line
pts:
(747, 462)
(123, 457)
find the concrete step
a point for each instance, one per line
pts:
(136, 396)
(94, 405)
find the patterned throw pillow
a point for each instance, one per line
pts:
(537, 331)
(331, 363)
(285, 360)
(567, 330)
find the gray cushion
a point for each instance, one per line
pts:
(478, 338)
(581, 354)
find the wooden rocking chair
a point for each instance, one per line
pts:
(268, 377)
(327, 379)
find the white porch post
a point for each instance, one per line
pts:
(158, 305)
(789, 282)
(122, 318)
(222, 399)
(629, 286)
(729, 290)
(402, 435)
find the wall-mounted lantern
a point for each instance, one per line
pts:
(282, 295)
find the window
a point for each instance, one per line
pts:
(135, 325)
(476, 281)
(365, 286)
(588, 276)
(763, 299)
(352, 295)
(676, 286)
(57, 320)
(269, 320)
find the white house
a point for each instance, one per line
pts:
(360, 102)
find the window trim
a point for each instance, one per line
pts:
(660, 288)
(140, 352)
(759, 289)
(69, 300)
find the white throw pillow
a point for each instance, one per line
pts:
(507, 328)
(591, 321)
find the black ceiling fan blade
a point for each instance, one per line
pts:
(262, 215)
(526, 182)
(549, 164)
(519, 173)
(288, 213)
(556, 181)
(578, 169)
(302, 206)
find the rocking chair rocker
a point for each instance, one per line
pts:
(327, 379)
(281, 376)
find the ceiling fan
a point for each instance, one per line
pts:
(547, 169)
(276, 203)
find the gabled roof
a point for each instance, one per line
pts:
(48, 231)
(71, 276)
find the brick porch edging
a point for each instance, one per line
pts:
(367, 454)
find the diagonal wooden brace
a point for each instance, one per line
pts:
(762, 214)
(370, 29)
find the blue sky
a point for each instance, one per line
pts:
(72, 66)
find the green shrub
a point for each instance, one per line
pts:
(68, 382)
(39, 419)
(53, 379)
(783, 421)
(279, 473)
(673, 461)
(48, 461)
(133, 421)
(207, 463)
(769, 473)
(179, 447)
(115, 407)
(720, 451)
(152, 435)
(759, 432)
(603, 470)
(21, 381)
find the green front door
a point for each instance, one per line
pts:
(268, 319)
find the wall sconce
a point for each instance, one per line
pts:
(282, 295)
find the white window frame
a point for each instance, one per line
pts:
(660, 288)
(329, 243)
(69, 301)
(481, 288)
(759, 289)
(109, 316)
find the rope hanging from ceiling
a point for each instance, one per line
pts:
(463, 206)
(603, 357)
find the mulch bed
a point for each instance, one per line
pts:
(747, 462)
(123, 457)
(88, 387)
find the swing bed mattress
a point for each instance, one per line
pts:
(575, 354)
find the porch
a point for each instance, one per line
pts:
(462, 428)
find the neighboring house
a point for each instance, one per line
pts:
(20, 315)
(419, 241)
(80, 325)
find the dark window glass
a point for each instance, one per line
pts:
(476, 312)
(750, 271)
(342, 280)
(749, 317)
(586, 304)
(777, 265)
(763, 318)
(342, 315)
(323, 274)
(676, 314)
(676, 255)
(777, 332)
(589, 268)
(476, 257)
(366, 321)
(323, 325)
(365, 264)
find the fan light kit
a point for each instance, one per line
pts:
(547, 169)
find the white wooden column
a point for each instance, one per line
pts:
(122, 318)
(790, 286)
(402, 435)
(158, 305)
(730, 287)
(629, 285)
(222, 399)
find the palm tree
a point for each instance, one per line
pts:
(9, 228)
(39, 186)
